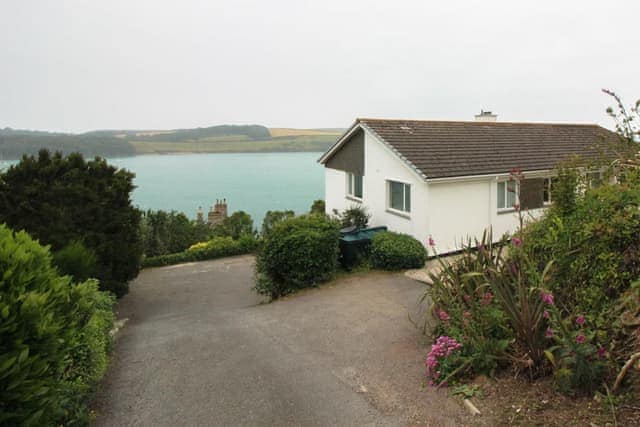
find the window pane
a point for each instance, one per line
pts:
(407, 198)
(350, 184)
(501, 195)
(357, 186)
(511, 194)
(397, 195)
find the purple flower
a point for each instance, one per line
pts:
(547, 298)
(516, 241)
(432, 242)
(580, 338)
(443, 315)
(546, 314)
(580, 320)
(548, 333)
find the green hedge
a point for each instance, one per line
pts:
(393, 251)
(297, 253)
(217, 247)
(54, 337)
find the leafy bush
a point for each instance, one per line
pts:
(170, 232)
(54, 337)
(76, 260)
(272, 218)
(318, 207)
(298, 252)
(217, 247)
(234, 226)
(355, 216)
(393, 251)
(59, 200)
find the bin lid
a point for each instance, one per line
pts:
(363, 234)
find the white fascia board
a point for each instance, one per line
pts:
(339, 143)
(529, 174)
(390, 147)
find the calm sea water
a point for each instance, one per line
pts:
(252, 182)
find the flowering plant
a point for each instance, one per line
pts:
(443, 360)
(578, 362)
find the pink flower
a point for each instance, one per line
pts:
(516, 241)
(547, 298)
(580, 339)
(467, 314)
(602, 352)
(432, 242)
(486, 298)
(467, 298)
(442, 348)
(443, 315)
(546, 314)
(580, 320)
(548, 333)
(516, 207)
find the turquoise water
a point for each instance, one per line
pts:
(252, 182)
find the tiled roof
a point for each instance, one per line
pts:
(440, 149)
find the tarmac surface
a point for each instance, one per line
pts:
(200, 348)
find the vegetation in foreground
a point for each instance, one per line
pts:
(562, 301)
(65, 200)
(54, 337)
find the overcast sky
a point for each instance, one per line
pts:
(81, 65)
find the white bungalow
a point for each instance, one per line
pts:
(446, 179)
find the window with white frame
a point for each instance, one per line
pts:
(399, 196)
(546, 191)
(507, 194)
(354, 185)
(594, 179)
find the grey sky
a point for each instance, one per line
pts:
(80, 65)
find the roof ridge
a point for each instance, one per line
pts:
(372, 119)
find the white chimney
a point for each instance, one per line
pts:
(486, 116)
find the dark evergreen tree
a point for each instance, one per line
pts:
(60, 199)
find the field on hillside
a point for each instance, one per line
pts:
(279, 132)
(238, 144)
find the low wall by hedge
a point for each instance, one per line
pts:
(217, 247)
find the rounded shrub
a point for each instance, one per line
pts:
(76, 260)
(393, 251)
(298, 252)
(54, 337)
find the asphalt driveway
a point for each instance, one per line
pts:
(200, 349)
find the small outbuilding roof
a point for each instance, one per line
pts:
(443, 149)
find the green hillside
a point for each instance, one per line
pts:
(123, 143)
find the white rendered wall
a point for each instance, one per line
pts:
(334, 190)
(464, 209)
(382, 165)
(458, 211)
